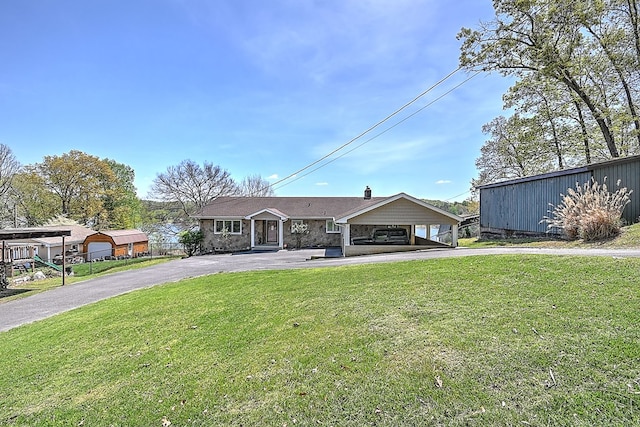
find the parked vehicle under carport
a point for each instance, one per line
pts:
(384, 236)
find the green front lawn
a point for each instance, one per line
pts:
(629, 237)
(486, 341)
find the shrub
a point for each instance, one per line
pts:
(191, 239)
(590, 212)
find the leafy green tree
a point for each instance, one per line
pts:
(80, 182)
(34, 203)
(120, 199)
(512, 151)
(543, 37)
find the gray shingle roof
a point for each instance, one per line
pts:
(293, 207)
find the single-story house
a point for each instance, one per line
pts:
(517, 207)
(116, 243)
(244, 223)
(49, 248)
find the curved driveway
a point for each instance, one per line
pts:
(61, 299)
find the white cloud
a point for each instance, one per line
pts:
(273, 177)
(443, 181)
(322, 184)
(324, 41)
(383, 155)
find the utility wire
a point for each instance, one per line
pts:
(373, 137)
(369, 129)
(281, 182)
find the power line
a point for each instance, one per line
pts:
(373, 137)
(396, 112)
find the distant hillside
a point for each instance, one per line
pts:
(467, 207)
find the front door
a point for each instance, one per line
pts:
(272, 232)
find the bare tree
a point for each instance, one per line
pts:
(256, 186)
(192, 186)
(9, 168)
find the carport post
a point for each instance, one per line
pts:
(64, 264)
(454, 235)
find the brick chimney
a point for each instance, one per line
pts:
(367, 193)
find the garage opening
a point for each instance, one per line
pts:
(99, 250)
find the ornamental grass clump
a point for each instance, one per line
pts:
(590, 212)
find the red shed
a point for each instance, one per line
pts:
(116, 243)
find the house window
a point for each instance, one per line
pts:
(294, 223)
(232, 226)
(332, 227)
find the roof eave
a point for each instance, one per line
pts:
(345, 219)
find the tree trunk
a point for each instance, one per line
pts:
(554, 132)
(585, 134)
(597, 114)
(623, 81)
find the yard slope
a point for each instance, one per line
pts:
(492, 340)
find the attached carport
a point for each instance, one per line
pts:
(400, 210)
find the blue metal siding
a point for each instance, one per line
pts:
(629, 176)
(519, 207)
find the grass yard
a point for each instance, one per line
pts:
(629, 237)
(486, 341)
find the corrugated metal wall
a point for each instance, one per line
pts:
(629, 176)
(520, 207)
(517, 207)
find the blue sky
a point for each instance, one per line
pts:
(254, 86)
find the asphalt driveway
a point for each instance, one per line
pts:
(61, 299)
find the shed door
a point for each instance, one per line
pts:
(98, 250)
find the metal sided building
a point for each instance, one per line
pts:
(517, 207)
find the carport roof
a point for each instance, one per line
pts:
(360, 211)
(31, 233)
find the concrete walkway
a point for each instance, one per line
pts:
(61, 299)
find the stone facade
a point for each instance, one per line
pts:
(317, 237)
(219, 243)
